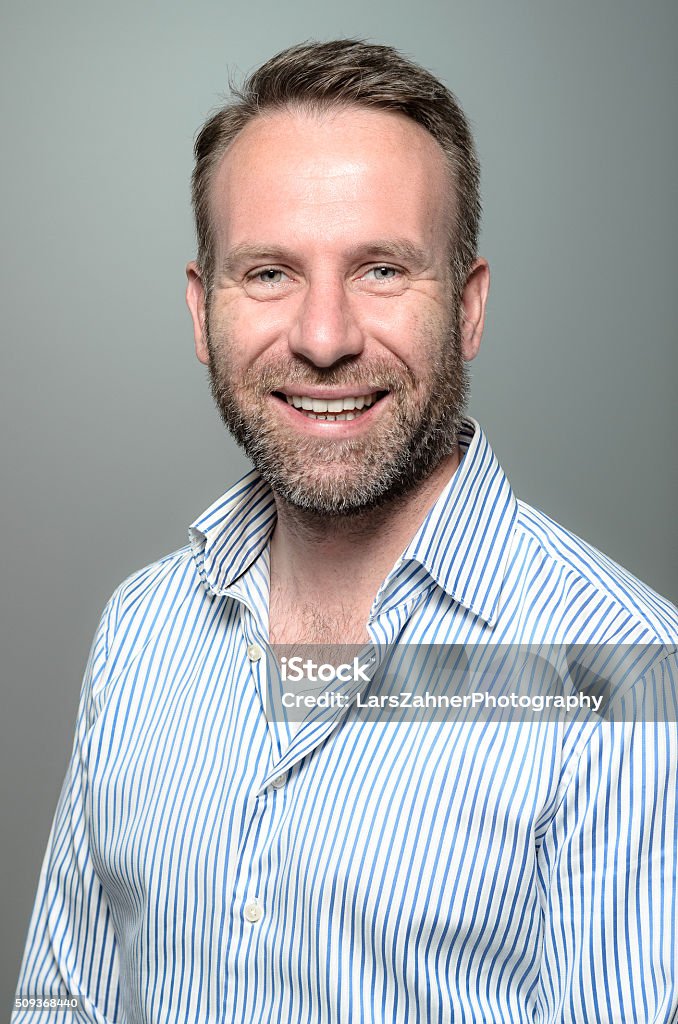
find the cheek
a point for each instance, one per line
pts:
(248, 329)
(413, 336)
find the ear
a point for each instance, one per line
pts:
(195, 300)
(473, 302)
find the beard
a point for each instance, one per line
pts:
(348, 477)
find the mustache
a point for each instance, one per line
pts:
(377, 375)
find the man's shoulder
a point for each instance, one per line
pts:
(162, 583)
(221, 542)
(148, 603)
(591, 583)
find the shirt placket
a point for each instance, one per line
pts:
(253, 879)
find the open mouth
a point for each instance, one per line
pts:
(332, 409)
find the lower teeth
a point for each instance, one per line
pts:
(329, 416)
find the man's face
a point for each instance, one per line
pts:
(331, 334)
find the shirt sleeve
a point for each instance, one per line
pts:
(71, 949)
(608, 869)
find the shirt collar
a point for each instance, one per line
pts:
(463, 543)
(232, 533)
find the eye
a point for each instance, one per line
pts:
(269, 275)
(381, 273)
(268, 283)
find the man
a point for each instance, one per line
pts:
(210, 863)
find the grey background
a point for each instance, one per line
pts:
(110, 444)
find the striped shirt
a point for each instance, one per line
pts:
(201, 867)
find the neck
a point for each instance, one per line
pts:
(324, 558)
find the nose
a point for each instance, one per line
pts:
(325, 329)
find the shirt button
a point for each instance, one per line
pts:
(254, 652)
(253, 911)
(279, 781)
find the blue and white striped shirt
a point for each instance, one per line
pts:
(200, 869)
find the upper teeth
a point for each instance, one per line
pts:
(331, 404)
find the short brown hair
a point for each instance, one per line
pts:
(340, 73)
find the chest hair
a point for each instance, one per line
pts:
(307, 623)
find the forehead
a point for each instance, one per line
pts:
(342, 170)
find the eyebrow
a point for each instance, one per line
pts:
(246, 253)
(399, 249)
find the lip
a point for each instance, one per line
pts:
(334, 428)
(328, 393)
